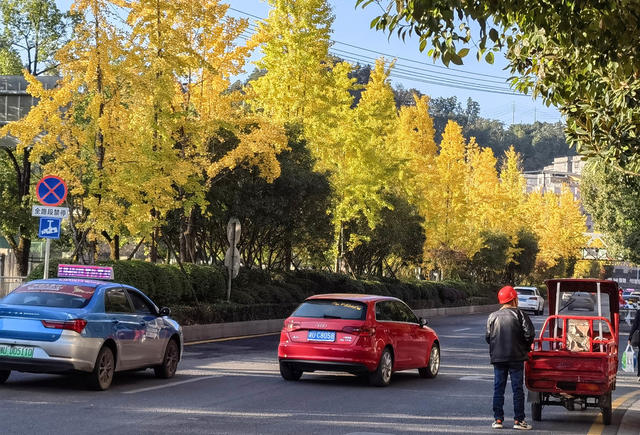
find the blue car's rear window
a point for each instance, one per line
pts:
(50, 295)
(331, 309)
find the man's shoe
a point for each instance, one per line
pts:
(522, 425)
(497, 424)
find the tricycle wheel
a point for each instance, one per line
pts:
(605, 402)
(536, 407)
(536, 411)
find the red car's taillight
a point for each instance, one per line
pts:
(290, 325)
(359, 330)
(72, 325)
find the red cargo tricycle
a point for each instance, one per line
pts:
(574, 361)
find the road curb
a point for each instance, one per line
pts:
(255, 327)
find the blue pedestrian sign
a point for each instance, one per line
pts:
(51, 190)
(49, 228)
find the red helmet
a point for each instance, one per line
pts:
(507, 294)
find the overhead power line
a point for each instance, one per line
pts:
(404, 72)
(428, 74)
(380, 53)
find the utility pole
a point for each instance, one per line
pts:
(534, 114)
(513, 112)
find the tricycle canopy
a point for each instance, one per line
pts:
(608, 293)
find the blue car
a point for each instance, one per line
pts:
(87, 326)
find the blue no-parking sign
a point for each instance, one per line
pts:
(51, 190)
(49, 228)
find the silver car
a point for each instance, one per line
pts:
(88, 326)
(529, 298)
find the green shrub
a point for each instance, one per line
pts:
(256, 295)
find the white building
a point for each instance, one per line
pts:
(563, 170)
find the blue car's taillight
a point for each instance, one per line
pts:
(71, 325)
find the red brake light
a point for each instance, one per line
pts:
(290, 325)
(359, 330)
(533, 298)
(71, 325)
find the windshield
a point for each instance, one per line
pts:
(331, 309)
(584, 304)
(51, 295)
(525, 292)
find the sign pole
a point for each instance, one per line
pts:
(232, 257)
(233, 244)
(47, 247)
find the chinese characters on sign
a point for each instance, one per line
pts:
(80, 271)
(47, 211)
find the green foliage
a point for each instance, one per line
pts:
(282, 221)
(35, 29)
(580, 56)
(399, 235)
(489, 262)
(10, 63)
(524, 258)
(613, 201)
(257, 294)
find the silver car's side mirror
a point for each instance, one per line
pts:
(165, 311)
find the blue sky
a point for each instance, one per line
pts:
(355, 41)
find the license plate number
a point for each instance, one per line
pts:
(16, 351)
(321, 336)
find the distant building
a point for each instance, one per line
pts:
(563, 170)
(627, 276)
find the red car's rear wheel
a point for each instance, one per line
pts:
(382, 376)
(289, 372)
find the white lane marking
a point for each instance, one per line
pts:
(476, 378)
(172, 384)
(460, 330)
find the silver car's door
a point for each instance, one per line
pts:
(126, 329)
(153, 343)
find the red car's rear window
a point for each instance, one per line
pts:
(332, 309)
(50, 295)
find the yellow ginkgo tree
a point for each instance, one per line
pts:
(131, 123)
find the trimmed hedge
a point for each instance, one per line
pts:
(258, 295)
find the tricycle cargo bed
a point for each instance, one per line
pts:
(561, 372)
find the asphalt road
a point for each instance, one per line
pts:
(234, 387)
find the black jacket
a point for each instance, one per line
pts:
(509, 334)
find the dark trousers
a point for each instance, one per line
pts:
(501, 371)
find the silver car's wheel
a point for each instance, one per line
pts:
(103, 370)
(382, 376)
(4, 375)
(170, 362)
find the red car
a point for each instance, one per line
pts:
(359, 334)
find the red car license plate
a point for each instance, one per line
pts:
(321, 336)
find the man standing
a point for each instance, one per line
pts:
(509, 334)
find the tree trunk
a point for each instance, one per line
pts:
(22, 255)
(153, 250)
(115, 248)
(92, 251)
(114, 245)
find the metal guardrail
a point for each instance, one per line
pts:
(9, 283)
